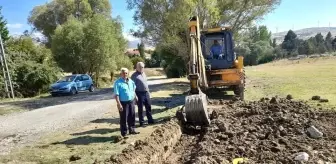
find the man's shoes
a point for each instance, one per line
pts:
(134, 132)
(124, 136)
(151, 122)
(142, 125)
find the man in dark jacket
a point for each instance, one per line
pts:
(142, 92)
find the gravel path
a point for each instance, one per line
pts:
(69, 112)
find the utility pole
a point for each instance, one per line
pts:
(7, 78)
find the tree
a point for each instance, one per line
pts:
(328, 42)
(320, 43)
(290, 42)
(32, 66)
(302, 47)
(274, 44)
(334, 44)
(264, 34)
(45, 18)
(141, 48)
(94, 46)
(3, 28)
(67, 46)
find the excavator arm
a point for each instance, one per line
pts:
(196, 112)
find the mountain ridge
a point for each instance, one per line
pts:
(306, 33)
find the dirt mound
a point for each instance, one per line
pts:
(154, 149)
(277, 130)
(266, 131)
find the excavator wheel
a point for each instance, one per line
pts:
(196, 111)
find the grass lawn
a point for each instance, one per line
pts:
(300, 78)
(96, 140)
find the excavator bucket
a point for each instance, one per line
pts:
(196, 111)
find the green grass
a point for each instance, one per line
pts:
(95, 141)
(300, 78)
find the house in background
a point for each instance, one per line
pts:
(132, 52)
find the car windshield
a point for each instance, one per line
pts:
(66, 79)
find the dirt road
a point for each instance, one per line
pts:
(48, 115)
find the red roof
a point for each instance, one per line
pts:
(132, 52)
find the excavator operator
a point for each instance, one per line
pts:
(216, 49)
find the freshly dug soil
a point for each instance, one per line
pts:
(154, 149)
(266, 131)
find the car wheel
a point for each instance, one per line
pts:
(91, 89)
(73, 91)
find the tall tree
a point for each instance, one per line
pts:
(320, 43)
(264, 34)
(141, 48)
(45, 18)
(3, 27)
(158, 15)
(67, 46)
(290, 42)
(328, 42)
(94, 47)
(274, 44)
(334, 44)
(302, 47)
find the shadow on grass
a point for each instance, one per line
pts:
(86, 140)
(165, 103)
(97, 131)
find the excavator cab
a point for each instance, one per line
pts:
(213, 64)
(224, 70)
(217, 49)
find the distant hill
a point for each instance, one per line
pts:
(306, 33)
(133, 44)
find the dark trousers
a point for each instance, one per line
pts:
(144, 100)
(127, 115)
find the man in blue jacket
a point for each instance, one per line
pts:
(216, 49)
(124, 90)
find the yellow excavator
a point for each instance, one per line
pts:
(212, 64)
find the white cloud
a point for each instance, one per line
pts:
(16, 25)
(38, 35)
(130, 37)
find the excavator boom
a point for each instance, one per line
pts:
(196, 102)
(212, 64)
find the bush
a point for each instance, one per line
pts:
(33, 78)
(124, 61)
(136, 59)
(152, 63)
(266, 58)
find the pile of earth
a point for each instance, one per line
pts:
(265, 131)
(268, 131)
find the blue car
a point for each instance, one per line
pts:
(72, 84)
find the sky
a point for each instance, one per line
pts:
(290, 14)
